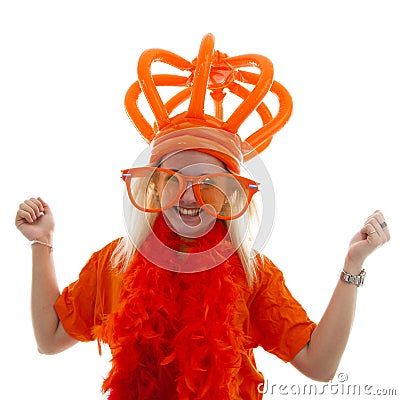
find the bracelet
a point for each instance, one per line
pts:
(42, 243)
(357, 280)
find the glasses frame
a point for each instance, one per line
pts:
(250, 185)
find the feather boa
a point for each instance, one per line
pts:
(177, 335)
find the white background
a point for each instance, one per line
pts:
(64, 136)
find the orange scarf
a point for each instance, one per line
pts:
(178, 335)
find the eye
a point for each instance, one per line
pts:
(172, 179)
(209, 181)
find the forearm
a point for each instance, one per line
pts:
(320, 358)
(329, 339)
(45, 292)
(35, 221)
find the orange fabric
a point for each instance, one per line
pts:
(271, 317)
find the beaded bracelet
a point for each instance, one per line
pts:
(42, 243)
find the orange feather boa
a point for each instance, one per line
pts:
(178, 335)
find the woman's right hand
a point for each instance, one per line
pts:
(35, 220)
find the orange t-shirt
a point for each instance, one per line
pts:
(273, 319)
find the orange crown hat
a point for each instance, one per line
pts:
(215, 73)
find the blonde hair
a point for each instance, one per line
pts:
(243, 232)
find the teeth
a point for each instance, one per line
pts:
(189, 211)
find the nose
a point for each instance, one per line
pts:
(188, 195)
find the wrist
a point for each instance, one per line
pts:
(357, 280)
(47, 238)
(352, 267)
(44, 241)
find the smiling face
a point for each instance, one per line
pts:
(186, 217)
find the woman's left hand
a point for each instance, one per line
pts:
(372, 235)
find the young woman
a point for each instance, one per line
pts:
(183, 299)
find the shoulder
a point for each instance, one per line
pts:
(100, 261)
(270, 280)
(266, 270)
(107, 251)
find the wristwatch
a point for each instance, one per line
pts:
(357, 280)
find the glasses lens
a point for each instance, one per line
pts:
(152, 189)
(224, 195)
(168, 188)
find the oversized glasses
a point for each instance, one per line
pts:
(223, 195)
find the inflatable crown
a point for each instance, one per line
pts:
(216, 74)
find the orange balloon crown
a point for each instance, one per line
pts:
(215, 73)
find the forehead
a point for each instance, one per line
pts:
(192, 160)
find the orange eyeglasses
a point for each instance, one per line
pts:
(223, 195)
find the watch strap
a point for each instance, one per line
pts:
(357, 280)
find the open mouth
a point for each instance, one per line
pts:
(190, 212)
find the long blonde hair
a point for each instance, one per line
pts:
(243, 232)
